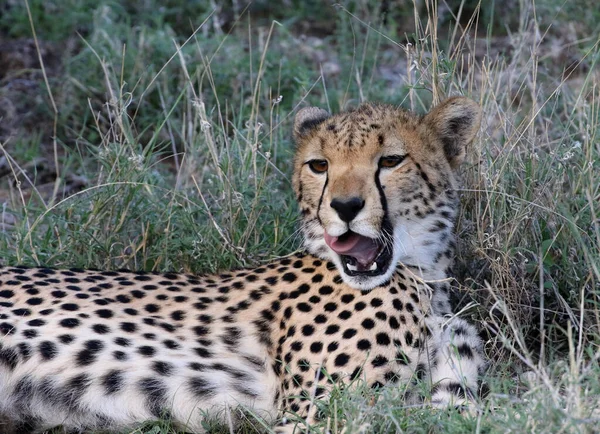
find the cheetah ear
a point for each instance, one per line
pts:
(455, 122)
(307, 120)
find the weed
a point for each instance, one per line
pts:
(160, 141)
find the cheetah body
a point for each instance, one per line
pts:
(367, 301)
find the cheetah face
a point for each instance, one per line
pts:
(376, 185)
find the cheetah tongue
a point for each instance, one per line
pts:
(363, 249)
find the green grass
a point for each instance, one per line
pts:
(158, 138)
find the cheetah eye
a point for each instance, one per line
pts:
(318, 166)
(390, 161)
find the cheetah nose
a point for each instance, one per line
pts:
(348, 209)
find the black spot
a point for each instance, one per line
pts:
(194, 366)
(344, 315)
(34, 301)
(320, 319)
(142, 278)
(123, 342)
(112, 381)
(203, 352)
(252, 278)
(325, 290)
(30, 333)
(379, 361)
(391, 377)
(128, 327)
(101, 329)
(289, 277)
(368, 323)
(162, 368)
(87, 356)
(303, 365)
(130, 311)
(232, 336)
(58, 294)
(457, 389)
(104, 313)
(381, 315)
(69, 323)
(120, 355)
(347, 298)
(21, 312)
(359, 306)
(408, 338)
(152, 308)
(376, 302)
(363, 345)
(201, 330)
(71, 307)
(155, 392)
(267, 315)
(330, 307)
(9, 357)
(465, 350)
(171, 344)
(316, 347)
(66, 339)
(7, 293)
(397, 304)
(349, 333)
(7, 329)
(48, 350)
(332, 347)
(341, 359)
(332, 329)
(304, 307)
(94, 345)
(308, 330)
(74, 389)
(383, 339)
(146, 350)
(206, 319)
(200, 387)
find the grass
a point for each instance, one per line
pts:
(157, 137)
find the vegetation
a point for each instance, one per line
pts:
(156, 136)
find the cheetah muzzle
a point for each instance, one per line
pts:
(360, 255)
(366, 301)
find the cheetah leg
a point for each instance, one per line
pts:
(457, 362)
(303, 411)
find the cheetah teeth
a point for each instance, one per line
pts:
(351, 267)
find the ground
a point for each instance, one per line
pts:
(125, 152)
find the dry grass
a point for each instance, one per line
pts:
(183, 163)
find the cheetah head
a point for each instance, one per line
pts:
(376, 186)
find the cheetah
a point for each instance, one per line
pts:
(366, 300)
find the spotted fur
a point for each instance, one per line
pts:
(104, 350)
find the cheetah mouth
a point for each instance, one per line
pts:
(360, 255)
